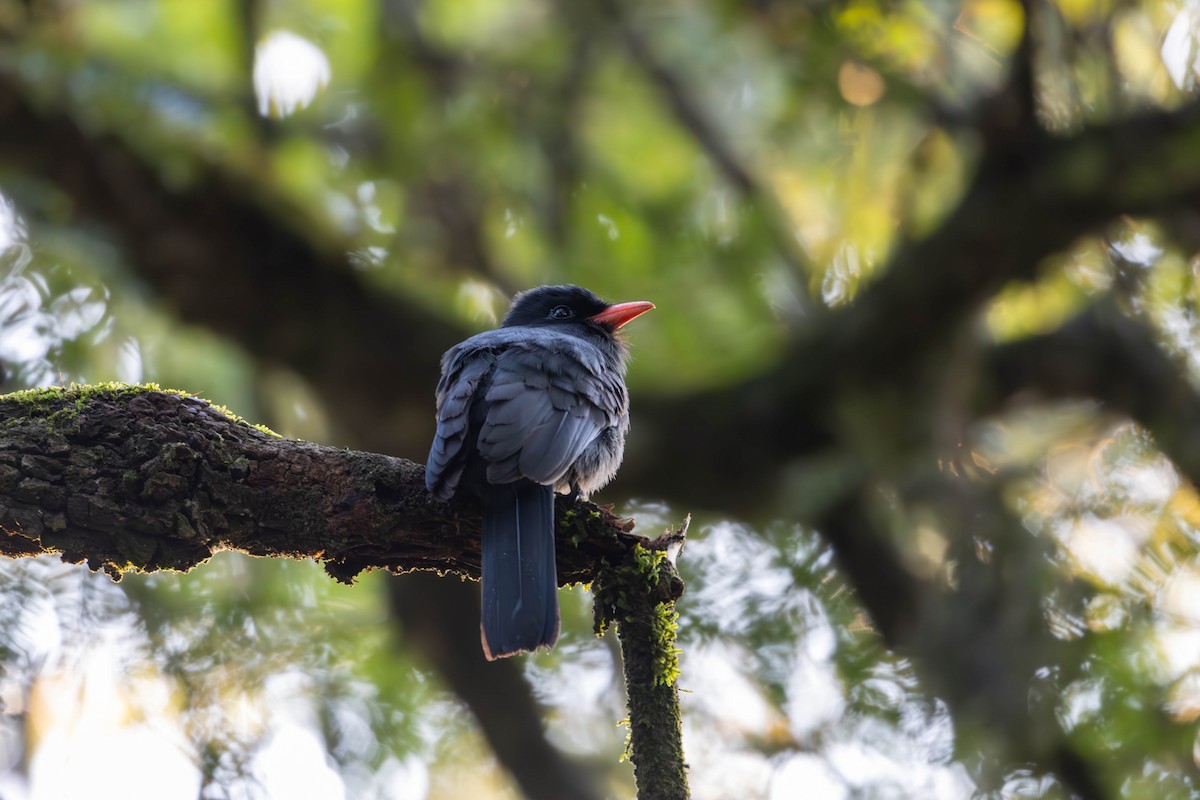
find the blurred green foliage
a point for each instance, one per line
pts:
(461, 150)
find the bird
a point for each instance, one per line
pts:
(533, 408)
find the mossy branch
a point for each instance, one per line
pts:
(134, 478)
(638, 595)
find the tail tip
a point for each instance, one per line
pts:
(499, 652)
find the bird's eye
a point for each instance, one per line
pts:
(561, 312)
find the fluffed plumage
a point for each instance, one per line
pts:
(536, 406)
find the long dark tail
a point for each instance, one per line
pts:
(520, 584)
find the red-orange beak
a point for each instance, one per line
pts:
(616, 316)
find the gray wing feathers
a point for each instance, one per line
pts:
(455, 391)
(549, 397)
(547, 406)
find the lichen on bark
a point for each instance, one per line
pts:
(638, 596)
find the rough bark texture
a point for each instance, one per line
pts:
(132, 478)
(219, 251)
(638, 596)
(655, 723)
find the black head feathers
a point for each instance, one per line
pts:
(549, 305)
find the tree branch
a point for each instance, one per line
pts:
(218, 252)
(1104, 355)
(894, 335)
(132, 478)
(1046, 194)
(637, 596)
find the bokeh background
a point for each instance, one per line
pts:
(919, 566)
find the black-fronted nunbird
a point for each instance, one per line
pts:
(536, 406)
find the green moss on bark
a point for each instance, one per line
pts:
(630, 595)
